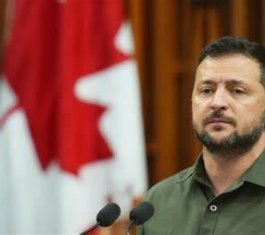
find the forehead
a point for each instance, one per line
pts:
(230, 67)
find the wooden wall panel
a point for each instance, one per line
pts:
(239, 17)
(165, 89)
(192, 35)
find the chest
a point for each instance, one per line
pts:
(239, 212)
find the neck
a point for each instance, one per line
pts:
(223, 171)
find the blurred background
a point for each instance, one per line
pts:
(168, 36)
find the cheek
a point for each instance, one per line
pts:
(250, 112)
(197, 114)
(194, 105)
(199, 108)
(250, 117)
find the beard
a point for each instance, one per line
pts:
(233, 145)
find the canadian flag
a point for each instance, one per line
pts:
(71, 135)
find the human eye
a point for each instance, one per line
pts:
(207, 90)
(238, 91)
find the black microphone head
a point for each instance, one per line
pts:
(108, 214)
(142, 213)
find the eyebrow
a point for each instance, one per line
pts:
(206, 82)
(236, 82)
(230, 82)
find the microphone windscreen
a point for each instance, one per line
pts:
(108, 214)
(142, 213)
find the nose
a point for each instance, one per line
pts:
(219, 100)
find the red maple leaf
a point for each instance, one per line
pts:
(51, 46)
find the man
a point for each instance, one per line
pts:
(224, 192)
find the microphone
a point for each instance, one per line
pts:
(105, 217)
(140, 214)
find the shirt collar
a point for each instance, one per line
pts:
(199, 173)
(254, 174)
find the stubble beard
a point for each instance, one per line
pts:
(234, 145)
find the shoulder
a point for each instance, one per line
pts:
(171, 184)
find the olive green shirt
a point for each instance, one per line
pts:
(185, 204)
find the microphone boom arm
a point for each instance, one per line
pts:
(90, 229)
(129, 227)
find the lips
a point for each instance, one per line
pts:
(218, 120)
(218, 117)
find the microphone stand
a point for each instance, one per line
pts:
(90, 229)
(129, 227)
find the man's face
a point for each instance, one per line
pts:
(228, 103)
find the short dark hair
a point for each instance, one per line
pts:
(236, 45)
